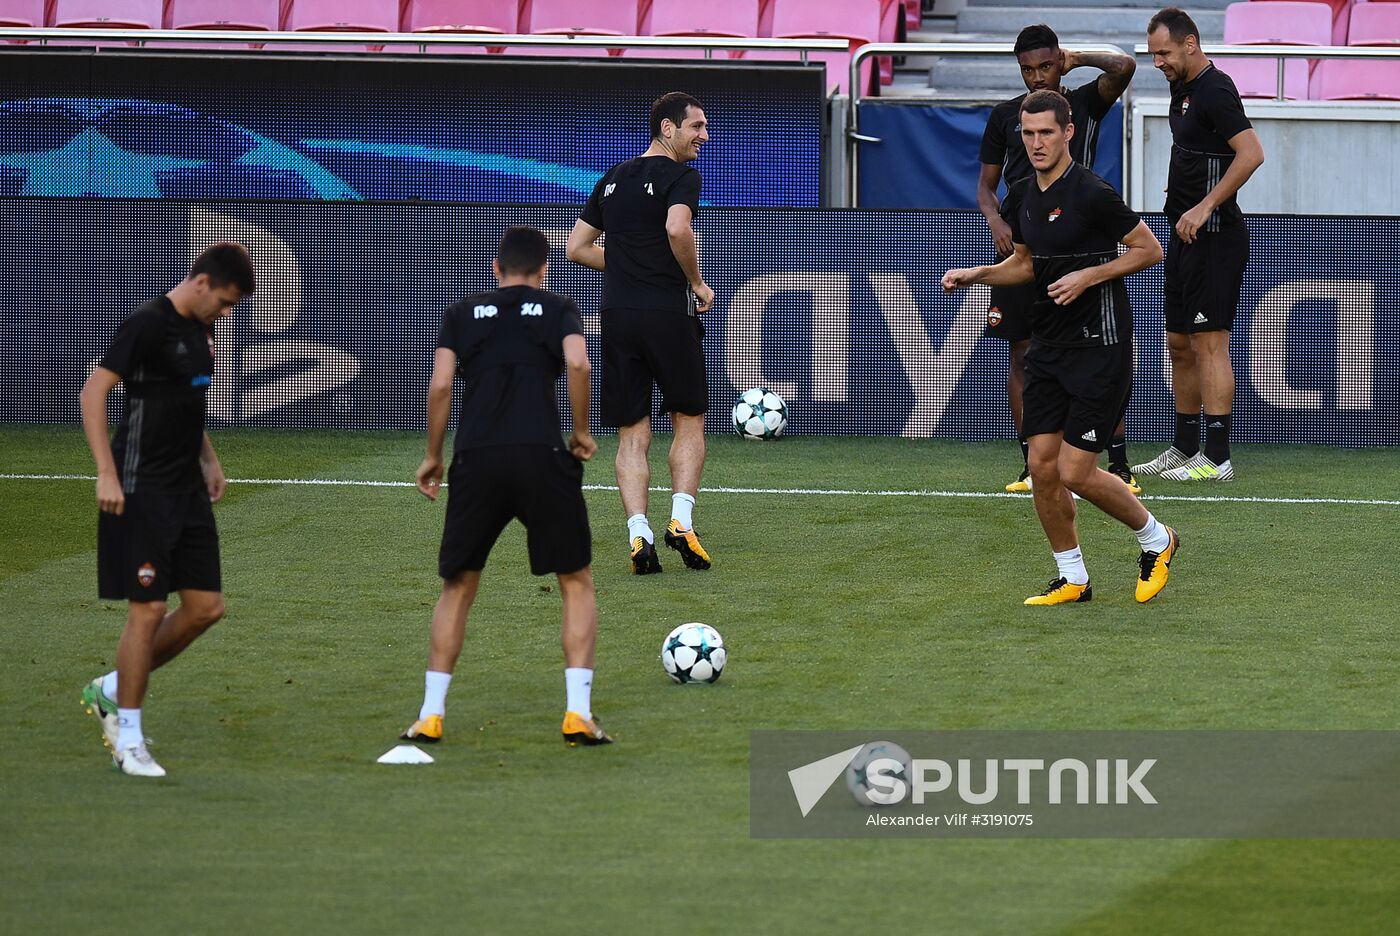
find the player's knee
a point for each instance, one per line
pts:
(1076, 476)
(209, 612)
(1045, 470)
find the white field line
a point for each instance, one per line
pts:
(797, 492)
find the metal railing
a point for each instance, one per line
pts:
(1285, 52)
(142, 37)
(1004, 49)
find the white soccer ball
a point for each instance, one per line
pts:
(878, 759)
(760, 414)
(693, 653)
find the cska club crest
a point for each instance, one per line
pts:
(1053, 215)
(146, 575)
(1185, 103)
(994, 316)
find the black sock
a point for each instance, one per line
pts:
(1218, 438)
(1118, 453)
(1025, 452)
(1188, 433)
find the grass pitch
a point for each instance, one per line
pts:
(841, 612)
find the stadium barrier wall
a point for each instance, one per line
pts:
(262, 126)
(841, 312)
(927, 155)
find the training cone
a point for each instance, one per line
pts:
(405, 754)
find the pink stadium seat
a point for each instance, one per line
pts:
(1372, 24)
(857, 21)
(591, 17)
(913, 15)
(222, 14)
(343, 16)
(1356, 81)
(22, 13)
(1282, 22)
(1375, 24)
(688, 18)
(463, 16)
(108, 14)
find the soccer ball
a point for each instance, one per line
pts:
(760, 414)
(866, 760)
(693, 653)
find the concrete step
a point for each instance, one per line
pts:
(952, 73)
(1009, 20)
(1150, 6)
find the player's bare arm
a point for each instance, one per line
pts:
(1117, 68)
(93, 403)
(429, 476)
(1249, 156)
(1015, 270)
(987, 181)
(214, 480)
(1143, 251)
(682, 238)
(582, 246)
(581, 444)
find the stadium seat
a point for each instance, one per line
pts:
(1282, 22)
(913, 15)
(857, 21)
(1372, 24)
(222, 14)
(18, 13)
(343, 16)
(688, 18)
(108, 14)
(588, 17)
(462, 16)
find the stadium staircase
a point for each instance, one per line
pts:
(1120, 22)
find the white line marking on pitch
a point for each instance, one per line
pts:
(802, 492)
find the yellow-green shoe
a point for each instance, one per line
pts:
(579, 730)
(688, 545)
(1021, 485)
(644, 561)
(1153, 568)
(1060, 591)
(424, 730)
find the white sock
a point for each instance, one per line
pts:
(681, 505)
(109, 685)
(435, 693)
(637, 526)
(1071, 563)
(1153, 537)
(578, 684)
(129, 728)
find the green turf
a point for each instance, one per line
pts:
(841, 612)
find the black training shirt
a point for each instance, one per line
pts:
(1002, 144)
(1205, 113)
(1075, 224)
(166, 363)
(510, 348)
(630, 203)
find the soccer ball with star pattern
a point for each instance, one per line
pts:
(693, 653)
(760, 414)
(884, 759)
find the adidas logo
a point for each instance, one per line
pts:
(1090, 436)
(1201, 318)
(1216, 425)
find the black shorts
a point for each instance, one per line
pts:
(164, 541)
(1009, 313)
(1082, 392)
(540, 486)
(640, 347)
(1203, 280)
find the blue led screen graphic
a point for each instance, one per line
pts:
(265, 127)
(840, 311)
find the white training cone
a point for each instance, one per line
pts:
(405, 754)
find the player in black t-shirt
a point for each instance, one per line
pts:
(1066, 231)
(509, 460)
(156, 479)
(653, 294)
(1043, 64)
(1214, 152)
